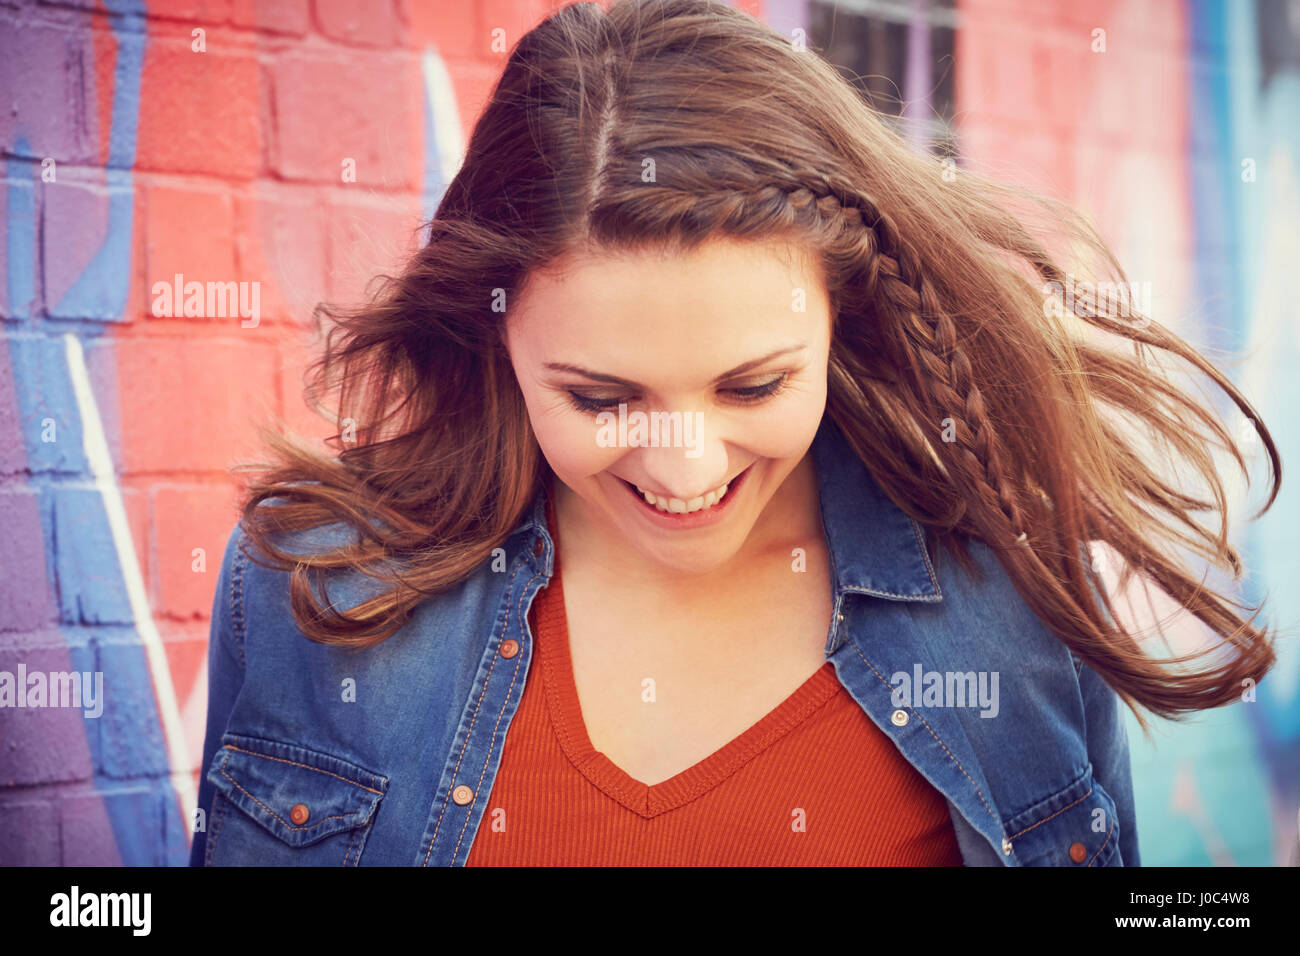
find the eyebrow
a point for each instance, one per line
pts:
(615, 380)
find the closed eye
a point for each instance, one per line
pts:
(748, 395)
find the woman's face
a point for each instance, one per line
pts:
(718, 358)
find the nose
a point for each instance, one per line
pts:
(686, 472)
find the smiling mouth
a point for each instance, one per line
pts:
(677, 507)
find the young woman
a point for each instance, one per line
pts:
(719, 485)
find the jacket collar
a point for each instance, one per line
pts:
(875, 547)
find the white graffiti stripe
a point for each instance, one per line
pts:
(95, 443)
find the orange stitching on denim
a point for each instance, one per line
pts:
(357, 840)
(303, 765)
(505, 701)
(474, 717)
(925, 555)
(337, 816)
(932, 734)
(1056, 814)
(1103, 846)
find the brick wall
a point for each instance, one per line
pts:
(145, 141)
(139, 141)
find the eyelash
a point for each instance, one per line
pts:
(750, 395)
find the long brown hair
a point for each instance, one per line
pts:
(982, 407)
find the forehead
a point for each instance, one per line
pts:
(721, 280)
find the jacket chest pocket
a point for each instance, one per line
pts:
(1076, 827)
(276, 804)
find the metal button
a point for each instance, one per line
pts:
(1078, 852)
(509, 648)
(538, 547)
(462, 795)
(299, 814)
(899, 717)
(841, 617)
(1006, 847)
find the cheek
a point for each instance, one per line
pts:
(568, 441)
(788, 428)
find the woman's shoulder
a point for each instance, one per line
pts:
(254, 587)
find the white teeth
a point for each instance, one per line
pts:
(677, 506)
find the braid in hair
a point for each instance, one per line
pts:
(924, 337)
(977, 484)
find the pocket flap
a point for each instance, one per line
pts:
(298, 795)
(1076, 826)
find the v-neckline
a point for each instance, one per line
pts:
(650, 800)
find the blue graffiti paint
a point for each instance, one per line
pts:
(100, 290)
(82, 564)
(20, 251)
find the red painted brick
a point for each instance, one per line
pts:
(1159, 114)
(188, 404)
(280, 242)
(1159, 25)
(186, 646)
(203, 109)
(1070, 68)
(1081, 16)
(295, 355)
(368, 235)
(365, 106)
(191, 232)
(1000, 80)
(186, 518)
(514, 17)
(448, 28)
(204, 11)
(1037, 160)
(474, 83)
(370, 24)
(1109, 111)
(284, 16)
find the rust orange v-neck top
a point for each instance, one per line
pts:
(814, 782)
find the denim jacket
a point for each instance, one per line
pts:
(320, 755)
